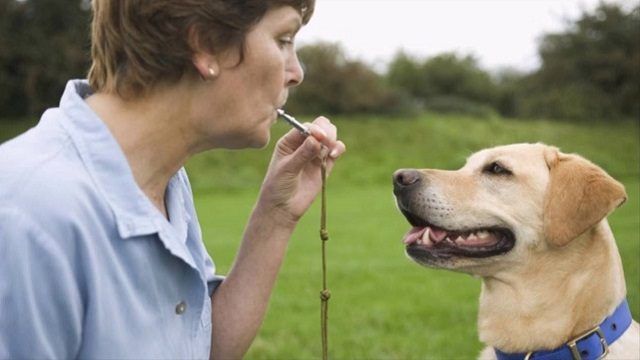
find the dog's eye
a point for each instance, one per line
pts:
(496, 168)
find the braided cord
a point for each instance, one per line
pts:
(324, 294)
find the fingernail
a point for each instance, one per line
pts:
(334, 153)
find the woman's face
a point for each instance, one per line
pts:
(250, 92)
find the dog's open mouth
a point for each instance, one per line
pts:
(426, 239)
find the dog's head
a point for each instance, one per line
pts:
(505, 202)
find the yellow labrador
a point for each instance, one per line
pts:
(531, 222)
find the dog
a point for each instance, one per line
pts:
(530, 221)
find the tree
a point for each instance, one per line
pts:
(404, 72)
(336, 85)
(591, 70)
(43, 44)
(446, 82)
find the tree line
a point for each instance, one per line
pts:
(588, 71)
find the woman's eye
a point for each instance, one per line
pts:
(497, 169)
(285, 41)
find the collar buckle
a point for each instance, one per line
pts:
(572, 344)
(575, 353)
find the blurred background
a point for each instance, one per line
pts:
(409, 84)
(484, 58)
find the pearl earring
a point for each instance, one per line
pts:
(212, 72)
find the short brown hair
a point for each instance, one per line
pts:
(136, 44)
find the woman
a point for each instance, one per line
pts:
(100, 249)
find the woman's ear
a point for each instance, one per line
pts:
(206, 66)
(579, 195)
(205, 63)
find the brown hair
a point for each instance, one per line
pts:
(136, 44)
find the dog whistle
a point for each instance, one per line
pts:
(293, 122)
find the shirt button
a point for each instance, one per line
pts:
(181, 308)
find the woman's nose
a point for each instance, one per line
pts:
(295, 73)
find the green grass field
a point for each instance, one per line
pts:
(383, 306)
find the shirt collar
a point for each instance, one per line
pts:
(108, 166)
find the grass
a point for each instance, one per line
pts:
(378, 146)
(13, 127)
(383, 306)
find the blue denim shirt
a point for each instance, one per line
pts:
(89, 268)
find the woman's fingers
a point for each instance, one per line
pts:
(308, 151)
(322, 131)
(327, 134)
(338, 150)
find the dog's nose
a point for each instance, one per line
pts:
(406, 178)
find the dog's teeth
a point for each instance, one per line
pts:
(482, 234)
(459, 240)
(426, 238)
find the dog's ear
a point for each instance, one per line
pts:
(579, 195)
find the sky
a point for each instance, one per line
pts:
(499, 33)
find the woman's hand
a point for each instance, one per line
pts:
(293, 179)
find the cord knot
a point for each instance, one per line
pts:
(324, 234)
(325, 295)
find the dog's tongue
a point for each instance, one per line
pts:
(417, 232)
(413, 235)
(437, 235)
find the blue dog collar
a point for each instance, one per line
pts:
(592, 345)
